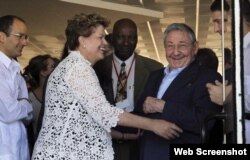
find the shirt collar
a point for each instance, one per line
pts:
(176, 70)
(173, 71)
(119, 62)
(8, 62)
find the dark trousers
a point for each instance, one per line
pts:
(126, 150)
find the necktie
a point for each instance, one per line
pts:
(121, 93)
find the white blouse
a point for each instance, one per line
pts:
(247, 71)
(78, 118)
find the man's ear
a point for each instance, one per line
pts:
(2, 37)
(196, 47)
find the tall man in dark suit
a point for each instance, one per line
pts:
(177, 93)
(137, 68)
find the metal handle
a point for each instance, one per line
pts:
(218, 116)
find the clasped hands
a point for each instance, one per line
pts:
(153, 105)
(164, 128)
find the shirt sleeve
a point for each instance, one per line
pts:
(12, 109)
(86, 88)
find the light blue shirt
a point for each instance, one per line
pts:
(167, 80)
(247, 71)
(247, 83)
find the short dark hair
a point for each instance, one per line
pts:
(81, 25)
(33, 69)
(246, 10)
(207, 58)
(122, 22)
(228, 55)
(216, 6)
(6, 23)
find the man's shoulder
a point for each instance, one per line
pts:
(148, 60)
(204, 72)
(100, 65)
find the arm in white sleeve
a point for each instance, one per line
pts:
(12, 109)
(85, 85)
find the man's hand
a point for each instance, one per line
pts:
(216, 92)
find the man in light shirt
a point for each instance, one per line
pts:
(246, 54)
(15, 108)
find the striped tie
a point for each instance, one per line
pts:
(121, 93)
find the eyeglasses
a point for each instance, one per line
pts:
(21, 36)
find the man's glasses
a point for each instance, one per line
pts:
(20, 36)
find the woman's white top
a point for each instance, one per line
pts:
(78, 118)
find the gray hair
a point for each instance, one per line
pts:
(179, 27)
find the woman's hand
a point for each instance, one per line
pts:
(166, 129)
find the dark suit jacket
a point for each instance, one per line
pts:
(187, 105)
(143, 67)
